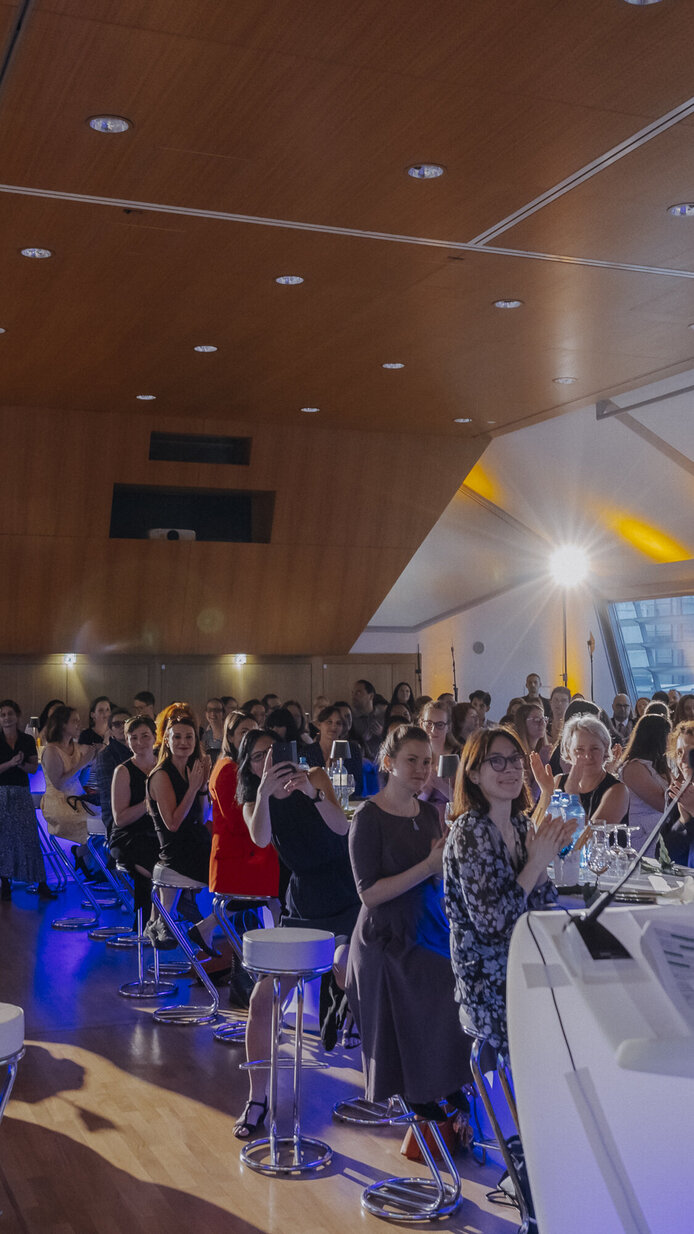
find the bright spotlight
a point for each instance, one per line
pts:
(568, 565)
(70, 659)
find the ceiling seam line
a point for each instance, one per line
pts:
(583, 174)
(658, 443)
(327, 229)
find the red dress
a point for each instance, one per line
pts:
(236, 863)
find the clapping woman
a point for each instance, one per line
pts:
(20, 852)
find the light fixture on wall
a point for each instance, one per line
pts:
(568, 566)
(70, 659)
(239, 659)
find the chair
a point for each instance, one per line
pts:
(300, 955)
(502, 1069)
(145, 987)
(11, 1048)
(416, 1198)
(223, 904)
(75, 921)
(163, 879)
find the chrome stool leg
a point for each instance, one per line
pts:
(144, 987)
(75, 922)
(297, 1153)
(6, 1091)
(363, 1113)
(233, 1030)
(417, 1199)
(185, 1014)
(501, 1143)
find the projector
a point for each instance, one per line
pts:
(170, 533)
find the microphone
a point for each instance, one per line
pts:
(601, 943)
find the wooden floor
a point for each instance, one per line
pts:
(118, 1125)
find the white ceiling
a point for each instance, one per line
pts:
(622, 487)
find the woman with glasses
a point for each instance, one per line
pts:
(436, 723)
(495, 868)
(295, 810)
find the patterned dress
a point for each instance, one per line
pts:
(483, 903)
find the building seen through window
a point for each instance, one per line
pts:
(655, 639)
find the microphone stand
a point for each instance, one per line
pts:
(455, 684)
(601, 943)
(418, 670)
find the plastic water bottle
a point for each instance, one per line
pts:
(574, 813)
(554, 811)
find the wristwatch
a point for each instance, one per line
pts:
(320, 796)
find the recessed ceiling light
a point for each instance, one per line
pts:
(462, 420)
(145, 398)
(491, 421)
(564, 381)
(425, 171)
(507, 303)
(204, 347)
(683, 210)
(289, 280)
(393, 364)
(36, 252)
(109, 124)
(3, 330)
(310, 409)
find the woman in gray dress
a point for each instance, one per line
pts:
(399, 978)
(20, 850)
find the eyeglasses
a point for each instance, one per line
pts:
(260, 755)
(439, 725)
(499, 762)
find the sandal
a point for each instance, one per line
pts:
(245, 1127)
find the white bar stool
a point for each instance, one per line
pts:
(11, 1048)
(300, 955)
(184, 1013)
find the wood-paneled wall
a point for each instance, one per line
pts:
(33, 681)
(350, 510)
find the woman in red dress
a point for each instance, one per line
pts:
(236, 863)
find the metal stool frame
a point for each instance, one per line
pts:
(233, 1030)
(144, 987)
(486, 1097)
(75, 922)
(362, 1113)
(10, 1061)
(415, 1198)
(184, 1014)
(295, 1154)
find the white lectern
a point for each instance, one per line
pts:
(602, 1055)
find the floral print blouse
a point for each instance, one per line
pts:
(483, 903)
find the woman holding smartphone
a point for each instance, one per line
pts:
(294, 809)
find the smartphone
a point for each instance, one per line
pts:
(284, 752)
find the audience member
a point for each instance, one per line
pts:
(621, 723)
(175, 791)
(465, 720)
(62, 759)
(684, 709)
(660, 696)
(403, 694)
(420, 702)
(586, 746)
(319, 702)
(658, 708)
(435, 720)
(133, 839)
(679, 836)
(300, 719)
(271, 702)
(330, 728)
(143, 704)
(43, 718)
(640, 706)
(211, 738)
(644, 770)
(364, 723)
(559, 700)
(230, 704)
(532, 694)
(495, 868)
(20, 850)
(281, 721)
(254, 707)
(236, 863)
(481, 701)
(295, 810)
(98, 732)
(399, 967)
(577, 707)
(110, 756)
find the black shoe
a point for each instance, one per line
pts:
(45, 892)
(245, 1127)
(197, 940)
(459, 1101)
(187, 907)
(6, 889)
(334, 1017)
(428, 1111)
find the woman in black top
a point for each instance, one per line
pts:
(175, 791)
(99, 715)
(295, 810)
(585, 744)
(134, 841)
(20, 852)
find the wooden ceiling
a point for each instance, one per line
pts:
(272, 137)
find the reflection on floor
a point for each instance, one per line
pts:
(118, 1125)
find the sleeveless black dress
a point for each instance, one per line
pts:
(136, 844)
(591, 801)
(187, 850)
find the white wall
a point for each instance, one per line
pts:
(522, 633)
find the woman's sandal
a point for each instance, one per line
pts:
(245, 1127)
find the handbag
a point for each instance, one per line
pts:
(66, 817)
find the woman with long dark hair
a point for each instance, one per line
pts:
(236, 863)
(495, 868)
(133, 839)
(296, 811)
(330, 728)
(62, 759)
(644, 769)
(97, 732)
(403, 694)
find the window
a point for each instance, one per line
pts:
(655, 642)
